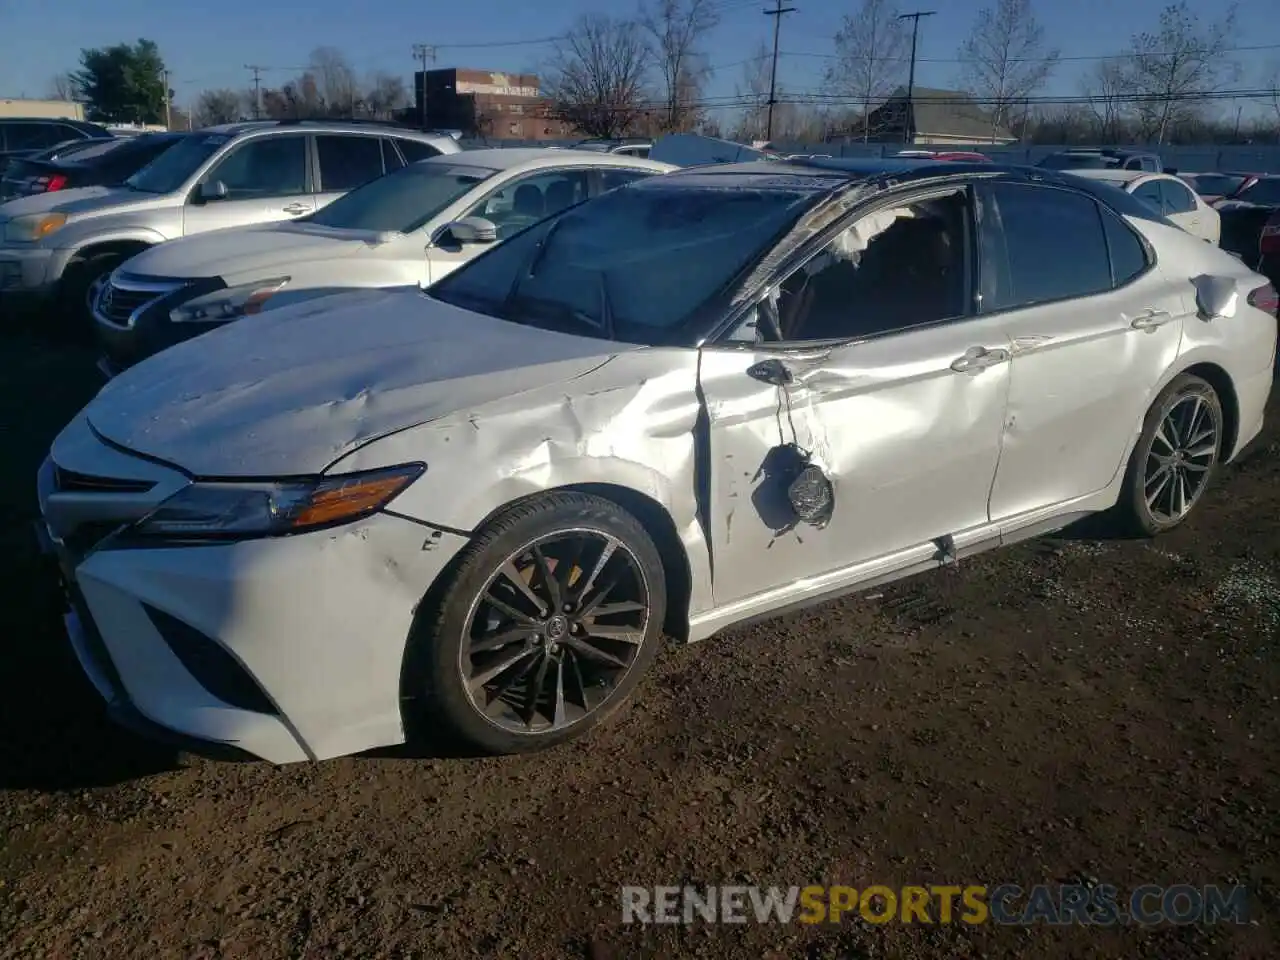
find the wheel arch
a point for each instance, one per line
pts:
(124, 246)
(658, 523)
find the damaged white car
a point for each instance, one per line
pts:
(694, 400)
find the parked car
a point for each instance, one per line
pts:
(451, 207)
(24, 136)
(1215, 187)
(1166, 194)
(966, 155)
(14, 183)
(108, 164)
(1244, 215)
(55, 245)
(1102, 160)
(629, 147)
(477, 509)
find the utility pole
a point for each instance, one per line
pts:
(911, 76)
(777, 12)
(422, 51)
(168, 120)
(257, 88)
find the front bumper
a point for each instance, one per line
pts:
(126, 339)
(307, 632)
(31, 272)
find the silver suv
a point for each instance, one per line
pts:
(54, 246)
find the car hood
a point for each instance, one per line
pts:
(261, 251)
(78, 200)
(288, 392)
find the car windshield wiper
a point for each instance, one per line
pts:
(524, 307)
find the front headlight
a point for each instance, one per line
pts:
(33, 227)
(241, 301)
(233, 510)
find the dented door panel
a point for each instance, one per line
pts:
(1084, 373)
(909, 444)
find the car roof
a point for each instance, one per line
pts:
(1116, 174)
(507, 158)
(323, 126)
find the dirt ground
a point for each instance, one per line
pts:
(1072, 708)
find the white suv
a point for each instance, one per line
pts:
(54, 246)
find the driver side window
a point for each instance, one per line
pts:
(262, 168)
(526, 200)
(891, 270)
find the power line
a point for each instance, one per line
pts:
(777, 14)
(257, 87)
(1122, 55)
(422, 51)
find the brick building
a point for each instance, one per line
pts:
(483, 103)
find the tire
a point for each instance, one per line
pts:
(441, 656)
(1184, 394)
(74, 316)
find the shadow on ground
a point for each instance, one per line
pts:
(54, 733)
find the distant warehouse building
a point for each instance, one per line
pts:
(42, 109)
(482, 103)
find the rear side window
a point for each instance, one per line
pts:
(37, 136)
(1127, 253)
(415, 150)
(391, 159)
(617, 178)
(1264, 191)
(347, 162)
(1177, 198)
(1054, 244)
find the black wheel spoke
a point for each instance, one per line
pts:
(538, 658)
(510, 612)
(595, 653)
(502, 638)
(513, 576)
(549, 582)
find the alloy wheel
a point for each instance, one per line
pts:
(1183, 450)
(555, 630)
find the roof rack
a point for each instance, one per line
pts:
(359, 121)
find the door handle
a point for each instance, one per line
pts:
(977, 359)
(296, 208)
(1150, 319)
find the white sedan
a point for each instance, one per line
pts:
(1165, 194)
(692, 401)
(408, 228)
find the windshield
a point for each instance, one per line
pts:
(174, 167)
(1078, 161)
(1214, 184)
(403, 201)
(635, 264)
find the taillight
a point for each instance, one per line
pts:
(52, 182)
(1265, 298)
(1269, 242)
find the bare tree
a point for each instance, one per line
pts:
(1180, 59)
(335, 80)
(1005, 59)
(676, 29)
(596, 76)
(1107, 89)
(385, 94)
(872, 51)
(63, 87)
(216, 106)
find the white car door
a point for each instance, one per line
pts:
(265, 179)
(1094, 324)
(896, 391)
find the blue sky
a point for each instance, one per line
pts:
(207, 45)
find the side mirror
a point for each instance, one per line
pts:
(473, 230)
(212, 190)
(1216, 297)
